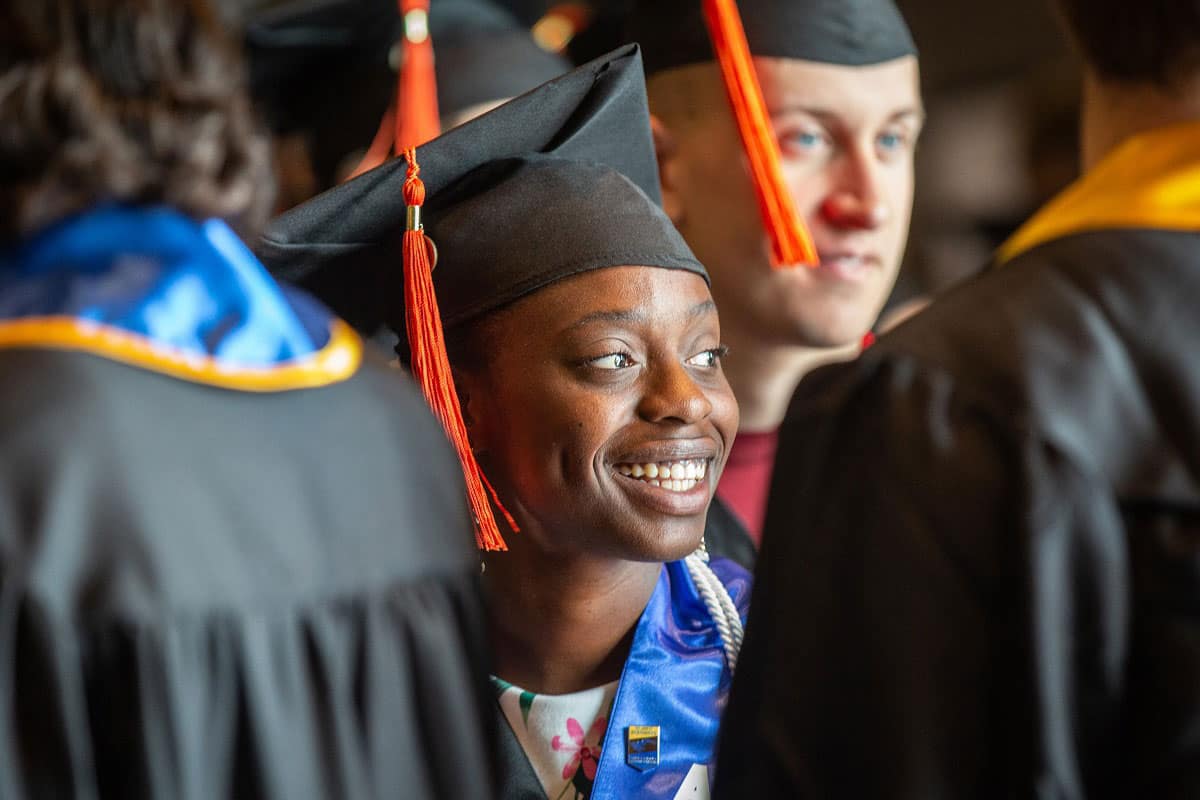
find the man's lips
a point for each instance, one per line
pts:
(848, 265)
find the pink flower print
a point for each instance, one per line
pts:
(584, 755)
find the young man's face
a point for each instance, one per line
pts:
(847, 137)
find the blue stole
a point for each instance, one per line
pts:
(675, 678)
(158, 290)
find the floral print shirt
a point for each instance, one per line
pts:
(560, 734)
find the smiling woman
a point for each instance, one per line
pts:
(586, 357)
(587, 382)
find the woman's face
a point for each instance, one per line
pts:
(586, 395)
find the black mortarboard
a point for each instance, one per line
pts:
(320, 67)
(328, 67)
(847, 32)
(557, 182)
(484, 54)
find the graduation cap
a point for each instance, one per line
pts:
(558, 182)
(851, 33)
(320, 68)
(329, 67)
(483, 55)
(677, 33)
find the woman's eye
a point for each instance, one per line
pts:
(612, 361)
(707, 358)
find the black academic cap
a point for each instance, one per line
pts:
(321, 68)
(846, 32)
(291, 46)
(483, 54)
(555, 183)
(328, 67)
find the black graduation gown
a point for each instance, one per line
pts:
(517, 778)
(726, 537)
(208, 593)
(981, 569)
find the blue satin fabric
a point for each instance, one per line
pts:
(675, 678)
(190, 286)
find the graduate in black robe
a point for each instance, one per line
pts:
(838, 82)
(235, 558)
(983, 545)
(580, 376)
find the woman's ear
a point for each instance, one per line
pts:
(670, 169)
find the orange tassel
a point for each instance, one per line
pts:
(431, 366)
(418, 121)
(791, 243)
(416, 93)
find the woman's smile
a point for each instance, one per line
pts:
(670, 476)
(676, 476)
(677, 488)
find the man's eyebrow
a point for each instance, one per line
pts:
(638, 314)
(916, 113)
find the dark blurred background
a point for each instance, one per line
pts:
(1001, 92)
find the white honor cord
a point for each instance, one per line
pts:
(719, 604)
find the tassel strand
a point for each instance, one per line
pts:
(416, 93)
(431, 366)
(791, 243)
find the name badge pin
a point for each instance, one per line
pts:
(642, 746)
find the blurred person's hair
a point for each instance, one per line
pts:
(125, 101)
(1137, 41)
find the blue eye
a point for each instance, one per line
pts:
(805, 140)
(890, 141)
(612, 361)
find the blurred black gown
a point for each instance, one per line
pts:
(981, 570)
(230, 566)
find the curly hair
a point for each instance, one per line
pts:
(1148, 41)
(130, 101)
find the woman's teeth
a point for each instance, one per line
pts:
(675, 476)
